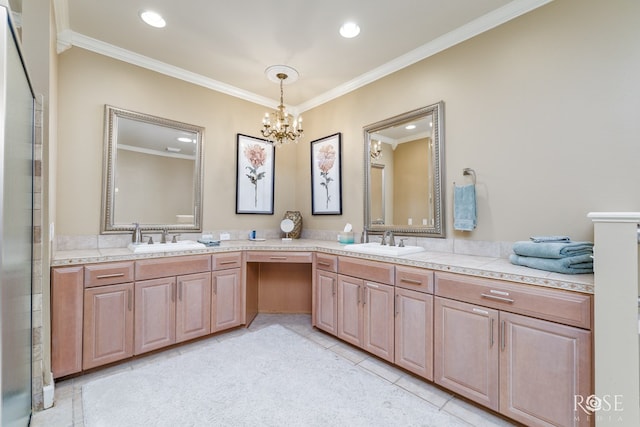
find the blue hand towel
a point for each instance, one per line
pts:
(580, 264)
(552, 249)
(464, 207)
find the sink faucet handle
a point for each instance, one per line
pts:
(150, 239)
(401, 244)
(174, 239)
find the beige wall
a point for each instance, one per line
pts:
(88, 81)
(544, 108)
(410, 183)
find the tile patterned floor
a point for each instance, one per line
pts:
(67, 409)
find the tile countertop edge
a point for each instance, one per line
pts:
(487, 267)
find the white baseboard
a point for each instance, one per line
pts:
(48, 393)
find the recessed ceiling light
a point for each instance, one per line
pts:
(349, 30)
(152, 18)
(410, 127)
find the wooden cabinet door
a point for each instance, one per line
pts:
(378, 322)
(326, 309)
(543, 365)
(155, 314)
(466, 349)
(193, 306)
(350, 326)
(108, 324)
(226, 299)
(66, 320)
(414, 332)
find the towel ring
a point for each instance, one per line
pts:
(471, 172)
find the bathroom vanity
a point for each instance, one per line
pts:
(515, 340)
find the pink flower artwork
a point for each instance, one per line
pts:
(257, 157)
(326, 158)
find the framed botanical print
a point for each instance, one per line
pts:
(254, 175)
(326, 175)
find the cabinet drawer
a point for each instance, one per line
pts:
(326, 262)
(108, 273)
(227, 260)
(290, 257)
(174, 266)
(417, 279)
(570, 308)
(368, 270)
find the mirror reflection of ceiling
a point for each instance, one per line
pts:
(405, 132)
(227, 46)
(151, 138)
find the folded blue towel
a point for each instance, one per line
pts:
(552, 249)
(464, 207)
(580, 264)
(540, 239)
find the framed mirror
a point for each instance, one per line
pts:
(404, 174)
(152, 173)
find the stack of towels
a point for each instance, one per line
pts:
(554, 253)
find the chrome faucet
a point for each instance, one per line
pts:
(392, 241)
(137, 233)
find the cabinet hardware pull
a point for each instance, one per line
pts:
(278, 257)
(326, 264)
(180, 290)
(227, 262)
(333, 287)
(477, 310)
(364, 295)
(502, 335)
(412, 281)
(129, 298)
(215, 287)
(503, 293)
(509, 300)
(173, 292)
(397, 305)
(109, 276)
(371, 285)
(359, 289)
(491, 333)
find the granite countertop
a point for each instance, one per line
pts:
(493, 268)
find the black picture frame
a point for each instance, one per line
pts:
(255, 175)
(326, 175)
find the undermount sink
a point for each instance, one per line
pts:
(375, 248)
(183, 245)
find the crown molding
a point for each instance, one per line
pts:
(68, 38)
(485, 23)
(71, 38)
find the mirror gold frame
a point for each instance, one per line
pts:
(187, 182)
(435, 225)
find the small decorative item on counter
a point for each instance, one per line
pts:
(346, 236)
(296, 217)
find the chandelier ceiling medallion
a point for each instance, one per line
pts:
(279, 127)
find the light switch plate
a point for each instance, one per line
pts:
(225, 236)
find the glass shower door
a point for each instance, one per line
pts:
(16, 226)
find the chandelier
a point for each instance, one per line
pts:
(375, 150)
(279, 127)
